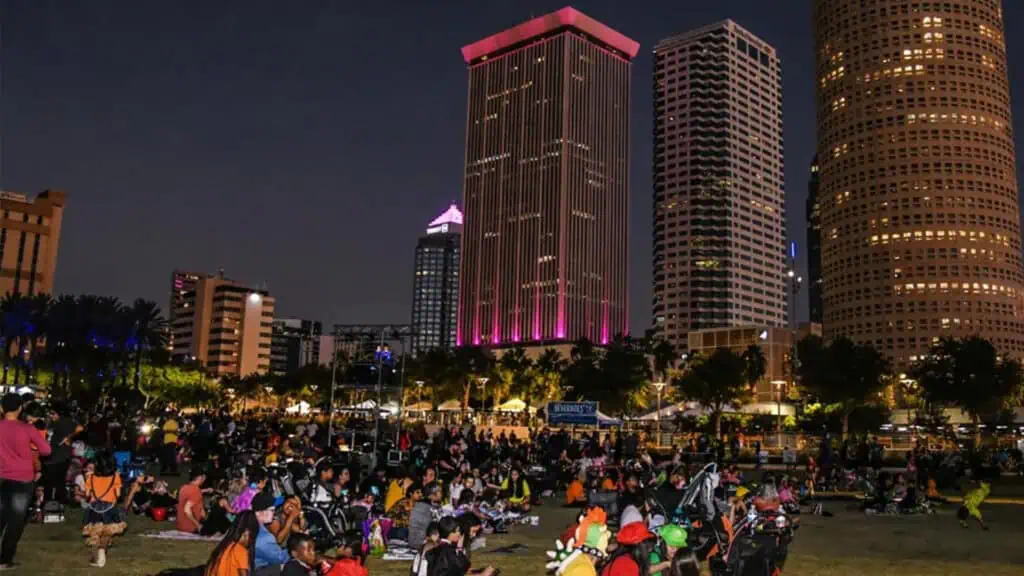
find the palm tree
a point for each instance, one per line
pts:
(755, 365)
(61, 334)
(624, 375)
(15, 310)
(513, 373)
(38, 330)
(664, 356)
(547, 376)
(149, 330)
(470, 364)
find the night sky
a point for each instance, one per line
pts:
(303, 145)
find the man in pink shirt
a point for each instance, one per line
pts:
(17, 440)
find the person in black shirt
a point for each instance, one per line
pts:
(55, 469)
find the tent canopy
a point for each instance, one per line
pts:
(515, 405)
(452, 406)
(300, 408)
(420, 407)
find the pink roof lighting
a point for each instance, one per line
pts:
(566, 17)
(451, 216)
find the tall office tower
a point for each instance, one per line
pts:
(545, 244)
(919, 211)
(29, 238)
(719, 204)
(225, 326)
(814, 304)
(294, 343)
(435, 295)
(182, 282)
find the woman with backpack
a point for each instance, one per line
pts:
(103, 518)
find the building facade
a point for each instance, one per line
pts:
(29, 238)
(776, 345)
(182, 282)
(294, 343)
(719, 205)
(435, 296)
(224, 326)
(815, 307)
(546, 191)
(919, 199)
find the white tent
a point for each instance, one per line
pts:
(452, 406)
(515, 405)
(420, 407)
(300, 408)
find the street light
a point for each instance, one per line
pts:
(778, 414)
(659, 386)
(419, 388)
(483, 392)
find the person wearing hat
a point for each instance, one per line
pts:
(587, 547)
(674, 538)
(269, 554)
(633, 556)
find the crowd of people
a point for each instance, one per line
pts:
(285, 497)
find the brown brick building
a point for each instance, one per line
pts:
(29, 238)
(918, 192)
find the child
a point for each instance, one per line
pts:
(972, 502)
(103, 517)
(303, 559)
(350, 557)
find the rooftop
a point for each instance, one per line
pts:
(565, 18)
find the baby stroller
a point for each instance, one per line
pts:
(326, 524)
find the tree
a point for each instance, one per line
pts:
(546, 377)
(469, 365)
(970, 374)
(582, 375)
(624, 375)
(716, 382)
(513, 375)
(843, 373)
(250, 387)
(755, 365)
(148, 330)
(664, 356)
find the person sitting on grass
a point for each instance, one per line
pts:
(449, 557)
(303, 561)
(257, 482)
(972, 505)
(269, 555)
(190, 511)
(235, 554)
(419, 562)
(351, 559)
(400, 512)
(289, 520)
(517, 491)
(219, 520)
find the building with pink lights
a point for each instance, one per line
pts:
(546, 191)
(435, 295)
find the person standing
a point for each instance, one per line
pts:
(55, 469)
(169, 449)
(17, 441)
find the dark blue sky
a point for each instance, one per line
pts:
(305, 144)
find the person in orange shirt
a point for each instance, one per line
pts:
(103, 517)
(235, 555)
(190, 513)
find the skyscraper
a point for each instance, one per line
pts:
(919, 210)
(719, 206)
(182, 282)
(545, 244)
(29, 238)
(814, 305)
(435, 296)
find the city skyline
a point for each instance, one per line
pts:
(168, 191)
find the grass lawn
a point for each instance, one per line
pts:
(846, 545)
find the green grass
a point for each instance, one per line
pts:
(848, 544)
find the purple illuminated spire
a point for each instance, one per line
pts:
(451, 216)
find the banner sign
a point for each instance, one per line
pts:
(581, 413)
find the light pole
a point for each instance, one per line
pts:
(778, 414)
(483, 394)
(659, 386)
(419, 391)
